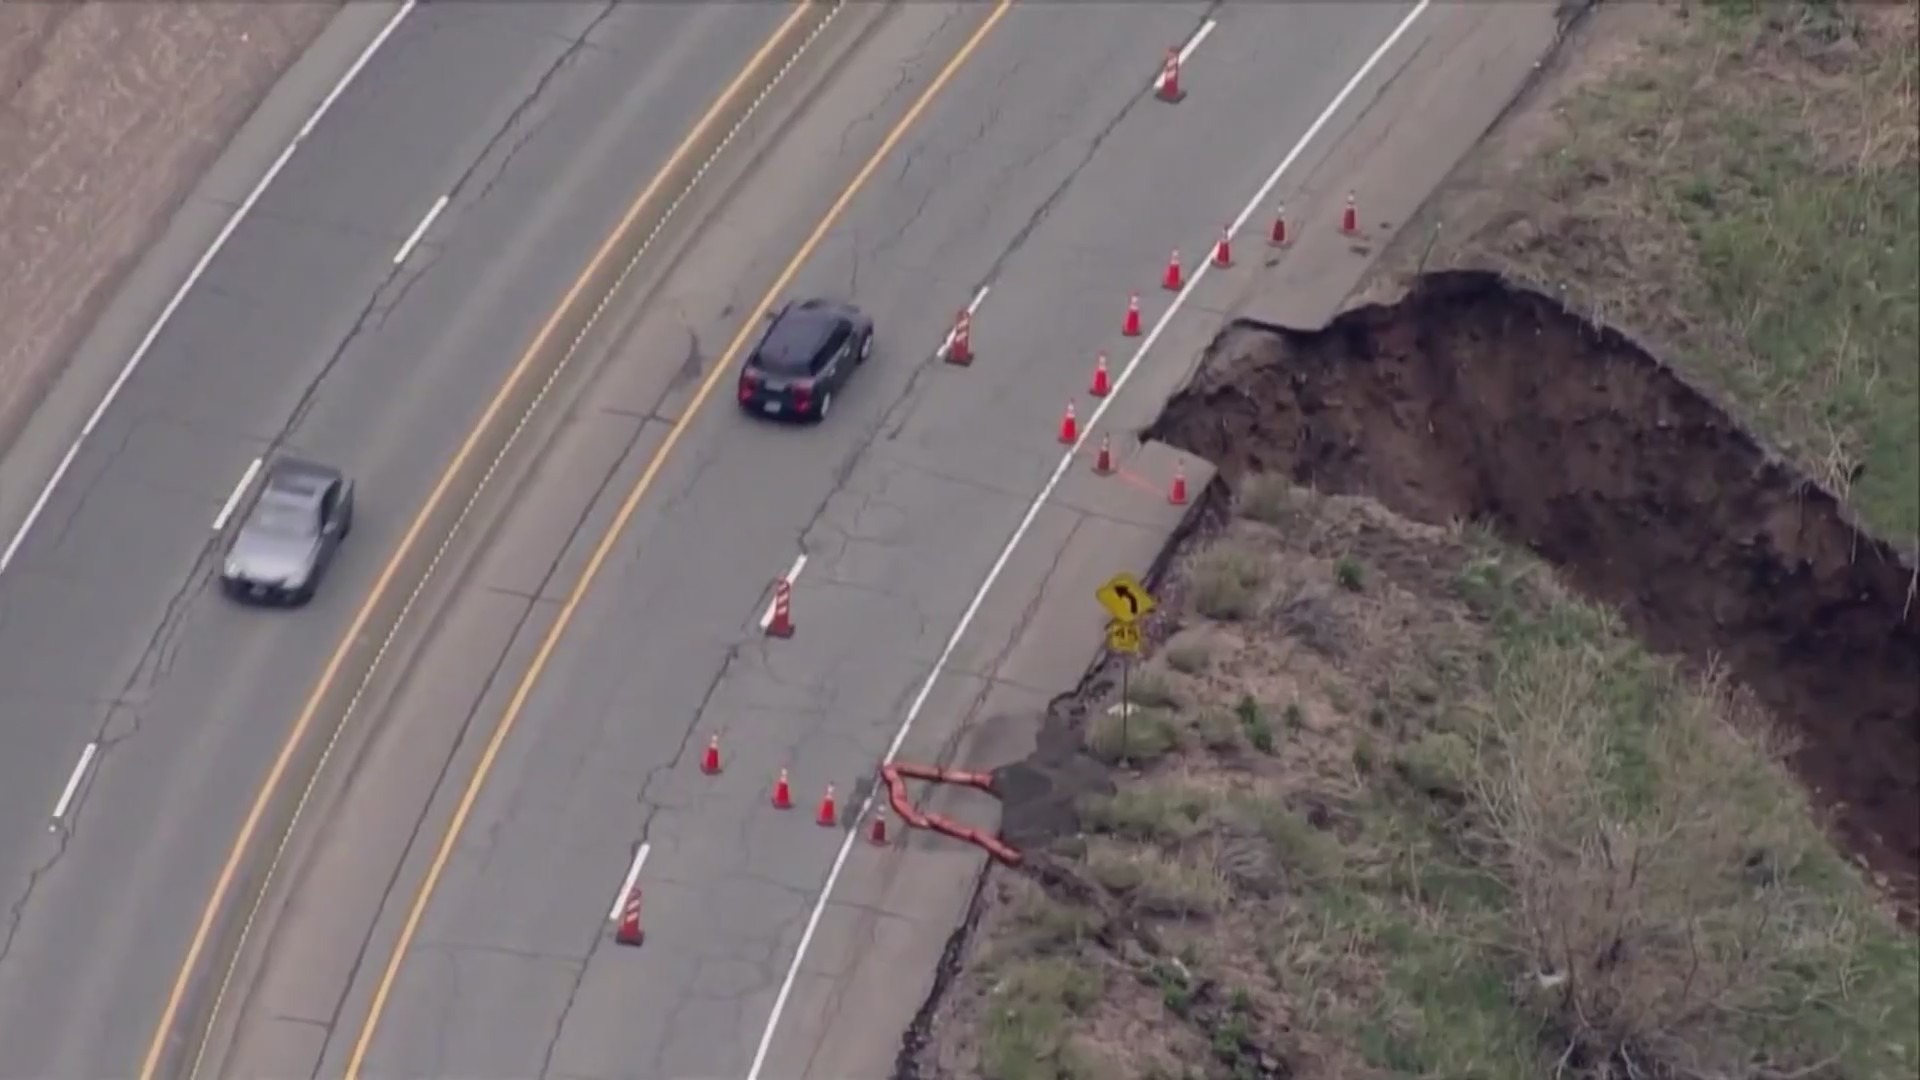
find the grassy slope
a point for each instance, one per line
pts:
(1741, 189)
(1453, 822)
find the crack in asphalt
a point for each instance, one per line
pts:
(796, 892)
(885, 593)
(695, 361)
(832, 543)
(986, 674)
(504, 951)
(1052, 201)
(422, 259)
(839, 986)
(701, 463)
(906, 71)
(150, 670)
(514, 134)
(17, 911)
(573, 995)
(706, 701)
(155, 663)
(661, 1046)
(116, 450)
(821, 520)
(493, 676)
(414, 833)
(379, 313)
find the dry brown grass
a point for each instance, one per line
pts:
(1668, 890)
(1406, 808)
(1494, 839)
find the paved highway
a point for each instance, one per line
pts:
(537, 123)
(1045, 173)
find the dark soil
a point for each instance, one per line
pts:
(1040, 796)
(1472, 399)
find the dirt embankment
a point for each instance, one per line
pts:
(108, 113)
(1473, 400)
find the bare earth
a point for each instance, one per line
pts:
(111, 112)
(1397, 796)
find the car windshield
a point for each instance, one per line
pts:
(283, 517)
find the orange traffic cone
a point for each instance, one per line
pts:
(629, 932)
(960, 348)
(877, 834)
(1103, 461)
(1100, 385)
(829, 814)
(1131, 328)
(781, 625)
(1178, 494)
(782, 794)
(1069, 427)
(710, 761)
(1223, 251)
(1167, 86)
(1278, 236)
(1171, 279)
(1349, 217)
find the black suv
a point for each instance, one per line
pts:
(290, 534)
(807, 354)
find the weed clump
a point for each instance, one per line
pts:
(1188, 654)
(1266, 498)
(1161, 813)
(1027, 1019)
(1134, 735)
(1153, 690)
(1227, 583)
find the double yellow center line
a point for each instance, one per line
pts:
(337, 663)
(749, 326)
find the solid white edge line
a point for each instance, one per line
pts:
(73, 784)
(233, 500)
(1026, 523)
(193, 277)
(946, 343)
(793, 575)
(420, 230)
(633, 875)
(1186, 51)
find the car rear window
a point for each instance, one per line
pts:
(794, 341)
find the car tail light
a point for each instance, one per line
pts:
(748, 381)
(802, 396)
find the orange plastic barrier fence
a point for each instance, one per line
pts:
(898, 773)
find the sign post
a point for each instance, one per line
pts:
(1126, 602)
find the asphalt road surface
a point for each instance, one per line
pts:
(538, 122)
(1045, 171)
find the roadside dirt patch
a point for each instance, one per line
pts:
(1367, 814)
(1470, 400)
(111, 110)
(1040, 797)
